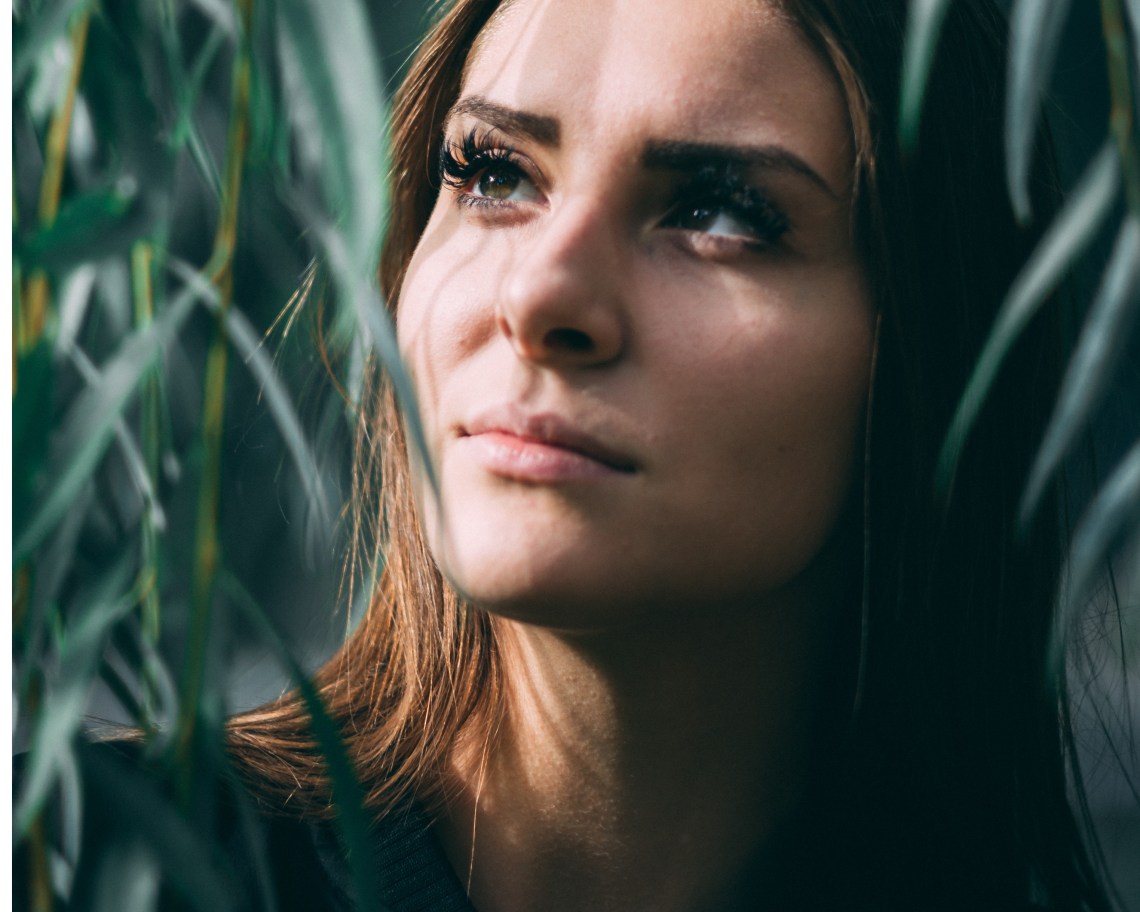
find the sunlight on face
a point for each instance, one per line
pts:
(636, 318)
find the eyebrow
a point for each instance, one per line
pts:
(659, 154)
(674, 155)
(543, 130)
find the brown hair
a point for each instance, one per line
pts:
(949, 776)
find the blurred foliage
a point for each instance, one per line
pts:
(1105, 201)
(178, 167)
(180, 455)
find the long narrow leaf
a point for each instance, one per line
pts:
(1071, 232)
(128, 446)
(89, 425)
(53, 564)
(137, 811)
(31, 38)
(347, 793)
(1132, 10)
(1112, 519)
(923, 26)
(58, 720)
(129, 877)
(74, 300)
(338, 83)
(221, 13)
(379, 333)
(1103, 342)
(245, 339)
(248, 344)
(90, 227)
(1035, 35)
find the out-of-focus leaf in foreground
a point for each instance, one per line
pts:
(249, 346)
(58, 720)
(1103, 342)
(346, 791)
(89, 424)
(31, 37)
(1071, 233)
(332, 82)
(1111, 520)
(1035, 35)
(147, 832)
(923, 26)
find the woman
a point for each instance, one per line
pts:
(686, 624)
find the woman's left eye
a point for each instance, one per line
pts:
(720, 205)
(716, 220)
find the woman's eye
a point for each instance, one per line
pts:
(715, 220)
(720, 205)
(503, 182)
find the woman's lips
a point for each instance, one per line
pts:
(540, 449)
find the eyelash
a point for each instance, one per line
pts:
(720, 190)
(462, 162)
(716, 189)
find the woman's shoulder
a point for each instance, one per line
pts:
(223, 849)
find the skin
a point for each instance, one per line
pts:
(723, 376)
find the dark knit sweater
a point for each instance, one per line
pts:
(236, 856)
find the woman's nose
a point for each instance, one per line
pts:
(560, 305)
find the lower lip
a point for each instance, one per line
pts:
(532, 461)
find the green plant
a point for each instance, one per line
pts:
(126, 302)
(1111, 521)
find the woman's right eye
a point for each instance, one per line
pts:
(502, 182)
(484, 173)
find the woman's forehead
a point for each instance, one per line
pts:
(724, 71)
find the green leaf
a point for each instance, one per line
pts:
(1103, 342)
(128, 446)
(379, 333)
(90, 422)
(120, 67)
(1071, 232)
(129, 877)
(75, 295)
(53, 563)
(186, 128)
(346, 791)
(249, 345)
(923, 26)
(1132, 9)
(1035, 35)
(31, 425)
(58, 720)
(221, 14)
(90, 227)
(30, 38)
(137, 813)
(332, 79)
(1112, 519)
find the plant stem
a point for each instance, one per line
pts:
(206, 546)
(142, 259)
(1122, 111)
(35, 299)
(42, 900)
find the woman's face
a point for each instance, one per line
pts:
(636, 318)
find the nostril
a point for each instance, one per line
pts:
(565, 339)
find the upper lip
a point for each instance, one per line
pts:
(548, 428)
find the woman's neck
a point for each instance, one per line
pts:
(643, 768)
